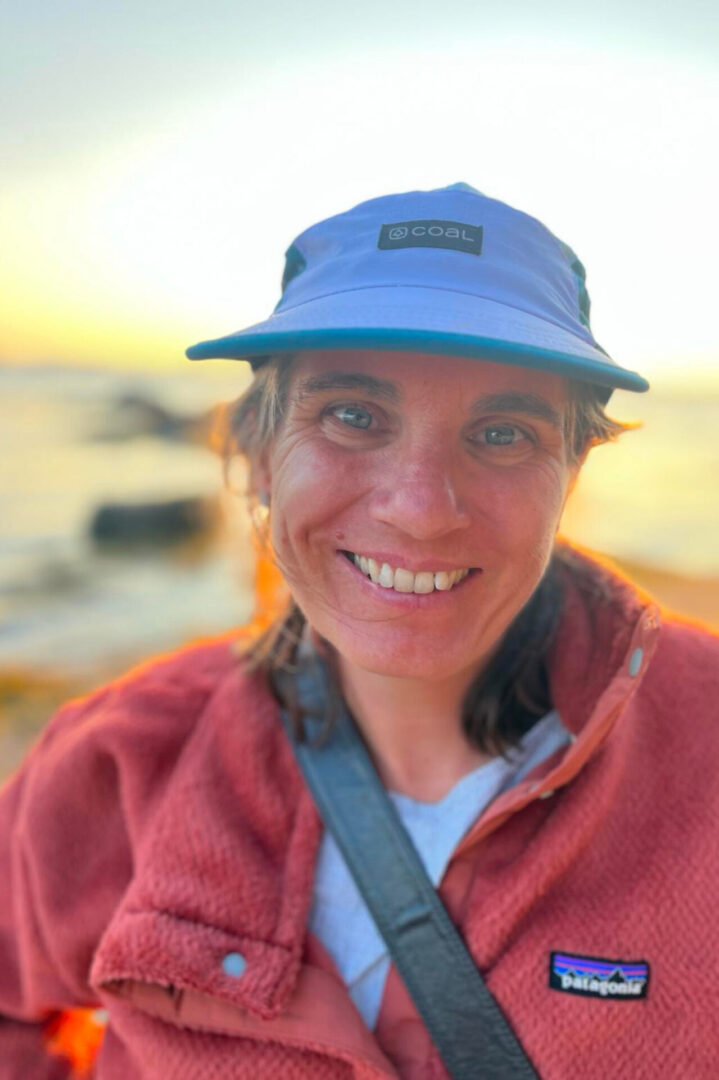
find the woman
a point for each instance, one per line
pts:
(425, 394)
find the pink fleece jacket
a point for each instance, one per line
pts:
(157, 852)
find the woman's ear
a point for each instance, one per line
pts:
(260, 479)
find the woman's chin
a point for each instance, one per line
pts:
(402, 656)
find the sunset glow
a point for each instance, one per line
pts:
(174, 231)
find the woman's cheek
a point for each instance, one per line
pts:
(521, 511)
(307, 492)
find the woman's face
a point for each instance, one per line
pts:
(428, 464)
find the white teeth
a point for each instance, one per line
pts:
(386, 576)
(424, 582)
(405, 581)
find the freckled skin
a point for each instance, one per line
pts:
(421, 480)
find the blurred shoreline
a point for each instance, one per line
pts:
(692, 598)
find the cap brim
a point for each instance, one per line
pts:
(411, 318)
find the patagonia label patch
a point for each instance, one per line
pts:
(455, 235)
(593, 976)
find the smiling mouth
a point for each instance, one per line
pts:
(405, 581)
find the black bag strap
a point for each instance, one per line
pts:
(466, 1024)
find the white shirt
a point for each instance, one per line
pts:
(339, 916)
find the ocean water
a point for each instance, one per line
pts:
(651, 498)
(65, 604)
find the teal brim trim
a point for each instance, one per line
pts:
(257, 349)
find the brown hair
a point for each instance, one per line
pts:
(506, 699)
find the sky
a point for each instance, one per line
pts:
(156, 160)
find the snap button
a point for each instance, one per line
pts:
(635, 661)
(234, 964)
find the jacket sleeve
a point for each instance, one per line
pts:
(64, 860)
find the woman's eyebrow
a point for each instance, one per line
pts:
(504, 401)
(347, 380)
(513, 401)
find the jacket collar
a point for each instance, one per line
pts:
(605, 619)
(607, 635)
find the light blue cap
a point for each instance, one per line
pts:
(448, 271)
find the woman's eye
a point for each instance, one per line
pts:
(353, 415)
(501, 435)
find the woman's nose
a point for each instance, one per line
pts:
(419, 499)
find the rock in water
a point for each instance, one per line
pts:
(152, 524)
(133, 415)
